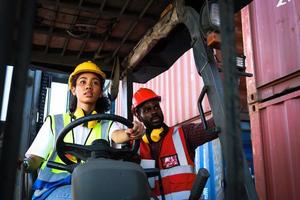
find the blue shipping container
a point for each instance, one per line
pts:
(209, 156)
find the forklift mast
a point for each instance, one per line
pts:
(223, 97)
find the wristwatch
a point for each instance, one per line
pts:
(26, 164)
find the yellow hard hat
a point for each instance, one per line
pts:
(88, 66)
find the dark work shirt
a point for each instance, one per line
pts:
(195, 135)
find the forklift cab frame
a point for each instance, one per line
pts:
(176, 19)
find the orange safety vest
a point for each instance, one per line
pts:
(177, 169)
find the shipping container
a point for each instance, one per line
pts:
(271, 34)
(179, 88)
(209, 156)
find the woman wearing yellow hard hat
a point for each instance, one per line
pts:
(86, 85)
(96, 101)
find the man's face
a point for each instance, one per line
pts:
(151, 114)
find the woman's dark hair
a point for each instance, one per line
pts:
(102, 104)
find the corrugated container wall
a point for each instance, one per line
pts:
(179, 88)
(271, 33)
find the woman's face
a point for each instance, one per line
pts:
(88, 88)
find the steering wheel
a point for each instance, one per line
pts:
(99, 148)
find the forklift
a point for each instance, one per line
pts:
(33, 41)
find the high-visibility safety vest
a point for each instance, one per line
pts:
(48, 178)
(177, 169)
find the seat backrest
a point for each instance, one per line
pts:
(109, 179)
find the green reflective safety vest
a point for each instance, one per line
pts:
(48, 175)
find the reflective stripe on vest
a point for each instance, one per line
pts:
(177, 170)
(177, 195)
(177, 180)
(58, 123)
(179, 147)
